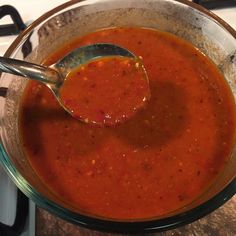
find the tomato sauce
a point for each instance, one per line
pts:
(120, 83)
(156, 162)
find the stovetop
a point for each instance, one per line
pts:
(8, 191)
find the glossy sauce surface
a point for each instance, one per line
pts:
(156, 162)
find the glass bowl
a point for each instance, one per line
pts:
(187, 20)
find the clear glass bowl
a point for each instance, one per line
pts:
(203, 29)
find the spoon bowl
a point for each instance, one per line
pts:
(55, 75)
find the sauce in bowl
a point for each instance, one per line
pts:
(159, 160)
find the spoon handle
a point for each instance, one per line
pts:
(29, 70)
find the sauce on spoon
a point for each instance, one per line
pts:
(111, 90)
(114, 82)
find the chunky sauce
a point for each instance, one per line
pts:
(120, 83)
(158, 161)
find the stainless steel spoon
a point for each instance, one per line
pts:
(54, 76)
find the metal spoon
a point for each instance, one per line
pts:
(54, 76)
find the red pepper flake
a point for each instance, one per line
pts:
(181, 197)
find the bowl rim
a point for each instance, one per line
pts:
(139, 226)
(72, 2)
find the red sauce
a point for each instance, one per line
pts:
(161, 159)
(120, 84)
